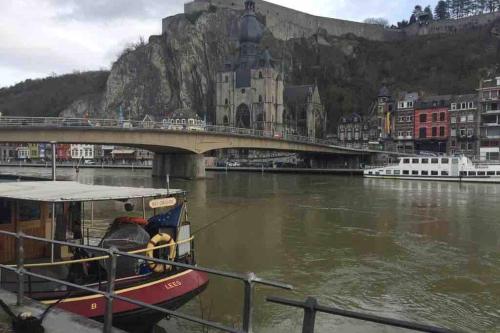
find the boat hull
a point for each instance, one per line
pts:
(168, 292)
(440, 178)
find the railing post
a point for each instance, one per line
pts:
(108, 315)
(247, 303)
(309, 315)
(20, 268)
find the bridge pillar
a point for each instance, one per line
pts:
(178, 165)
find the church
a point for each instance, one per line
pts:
(251, 92)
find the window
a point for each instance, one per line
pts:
(388, 172)
(490, 173)
(260, 98)
(442, 116)
(410, 104)
(191, 121)
(425, 173)
(453, 132)
(434, 117)
(409, 119)
(397, 172)
(400, 133)
(463, 173)
(406, 172)
(408, 134)
(453, 106)
(226, 101)
(470, 117)
(434, 173)
(422, 132)
(463, 119)
(472, 173)
(498, 173)
(470, 132)
(434, 131)
(401, 104)
(242, 91)
(414, 172)
(260, 75)
(481, 173)
(423, 118)
(441, 131)
(470, 146)
(183, 121)
(444, 173)
(226, 78)
(5, 211)
(445, 161)
(414, 161)
(463, 132)
(434, 160)
(28, 211)
(425, 161)
(406, 161)
(453, 120)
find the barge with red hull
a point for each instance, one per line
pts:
(56, 211)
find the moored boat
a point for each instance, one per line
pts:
(454, 168)
(56, 210)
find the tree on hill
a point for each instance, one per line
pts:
(441, 11)
(428, 12)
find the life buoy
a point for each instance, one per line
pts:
(158, 240)
(128, 219)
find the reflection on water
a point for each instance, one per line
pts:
(423, 251)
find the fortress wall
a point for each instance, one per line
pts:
(286, 23)
(452, 26)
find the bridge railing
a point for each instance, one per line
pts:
(60, 122)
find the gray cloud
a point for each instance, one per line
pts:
(106, 10)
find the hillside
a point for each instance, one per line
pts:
(50, 96)
(178, 69)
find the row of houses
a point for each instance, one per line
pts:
(467, 124)
(68, 152)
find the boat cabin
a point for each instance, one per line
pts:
(65, 211)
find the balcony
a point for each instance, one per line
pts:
(497, 111)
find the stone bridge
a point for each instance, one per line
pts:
(177, 152)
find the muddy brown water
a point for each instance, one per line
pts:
(420, 251)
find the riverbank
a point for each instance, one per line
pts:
(348, 172)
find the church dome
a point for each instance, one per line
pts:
(250, 28)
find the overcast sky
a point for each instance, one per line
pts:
(39, 38)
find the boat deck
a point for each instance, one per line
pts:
(57, 321)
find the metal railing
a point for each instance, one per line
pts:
(285, 135)
(249, 280)
(311, 307)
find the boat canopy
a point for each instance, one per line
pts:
(68, 191)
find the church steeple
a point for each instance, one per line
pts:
(250, 35)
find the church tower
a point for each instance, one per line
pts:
(250, 88)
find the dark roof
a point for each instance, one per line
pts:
(408, 96)
(384, 92)
(297, 94)
(440, 101)
(464, 98)
(350, 118)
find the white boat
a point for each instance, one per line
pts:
(456, 169)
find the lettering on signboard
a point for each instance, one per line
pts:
(163, 202)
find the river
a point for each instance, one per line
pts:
(420, 251)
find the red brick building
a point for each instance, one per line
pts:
(432, 124)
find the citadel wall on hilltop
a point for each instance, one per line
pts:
(285, 23)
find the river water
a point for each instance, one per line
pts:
(420, 251)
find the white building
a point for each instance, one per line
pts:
(82, 151)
